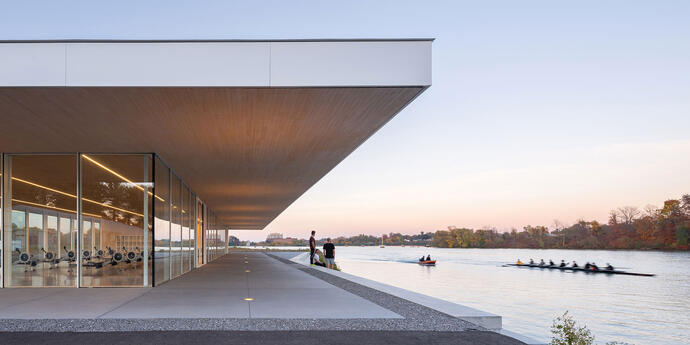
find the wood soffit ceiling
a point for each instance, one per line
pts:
(248, 153)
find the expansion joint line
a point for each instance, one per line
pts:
(246, 279)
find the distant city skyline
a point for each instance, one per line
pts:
(536, 113)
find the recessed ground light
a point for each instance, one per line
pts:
(248, 299)
(246, 262)
(247, 271)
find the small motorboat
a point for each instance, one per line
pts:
(427, 262)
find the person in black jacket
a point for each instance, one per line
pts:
(329, 253)
(312, 247)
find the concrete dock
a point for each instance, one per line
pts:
(239, 292)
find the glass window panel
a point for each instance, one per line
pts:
(35, 233)
(75, 235)
(186, 222)
(96, 228)
(86, 240)
(115, 191)
(199, 234)
(162, 223)
(41, 188)
(65, 239)
(18, 240)
(175, 228)
(52, 242)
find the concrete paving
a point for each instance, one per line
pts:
(216, 290)
(286, 299)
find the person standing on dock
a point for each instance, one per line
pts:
(312, 247)
(329, 253)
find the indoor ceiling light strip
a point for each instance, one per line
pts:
(120, 176)
(74, 196)
(54, 208)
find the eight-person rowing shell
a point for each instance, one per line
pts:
(588, 267)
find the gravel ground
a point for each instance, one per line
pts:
(263, 338)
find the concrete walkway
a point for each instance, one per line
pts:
(216, 290)
(242, 291)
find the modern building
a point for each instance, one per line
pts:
(125, 163)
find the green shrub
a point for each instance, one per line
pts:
(566, 332)
(335, 265)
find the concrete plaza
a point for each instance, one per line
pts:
(241, 291)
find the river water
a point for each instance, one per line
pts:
(637, 310)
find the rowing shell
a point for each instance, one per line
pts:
(580, 269)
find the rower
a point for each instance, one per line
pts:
(562, 263)
(575, 264)
(593, 267)
(551, 263)
(428, 258)
(587, 266)
(531, 262)
(519, 262)
(542, 263)
(421, 259)
(609, 267)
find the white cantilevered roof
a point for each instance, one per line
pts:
(248, 125)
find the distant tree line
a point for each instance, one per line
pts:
(628, 227)
(391, 239)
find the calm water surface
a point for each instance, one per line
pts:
(639, 310)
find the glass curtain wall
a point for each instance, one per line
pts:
(161, 222)
(117, 191)
(50, 238)
(176, 227)
(40, 193)
(200, 239)
(187, 230)
(215, 238)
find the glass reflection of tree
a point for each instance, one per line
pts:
(121, 195)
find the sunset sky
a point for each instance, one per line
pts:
(539, 110)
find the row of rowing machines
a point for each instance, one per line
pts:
(96, 259)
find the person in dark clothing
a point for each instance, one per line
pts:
(551, 263)
(575, 264)
(329, 253)
(421, 259)
(312, 247)
(562, 263)
(317, 259)
(609, 267)
(588, 265)
(428, 257)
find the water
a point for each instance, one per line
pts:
(638, 310)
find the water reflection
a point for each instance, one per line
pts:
(639, 310)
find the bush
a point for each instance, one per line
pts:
(566, 332)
